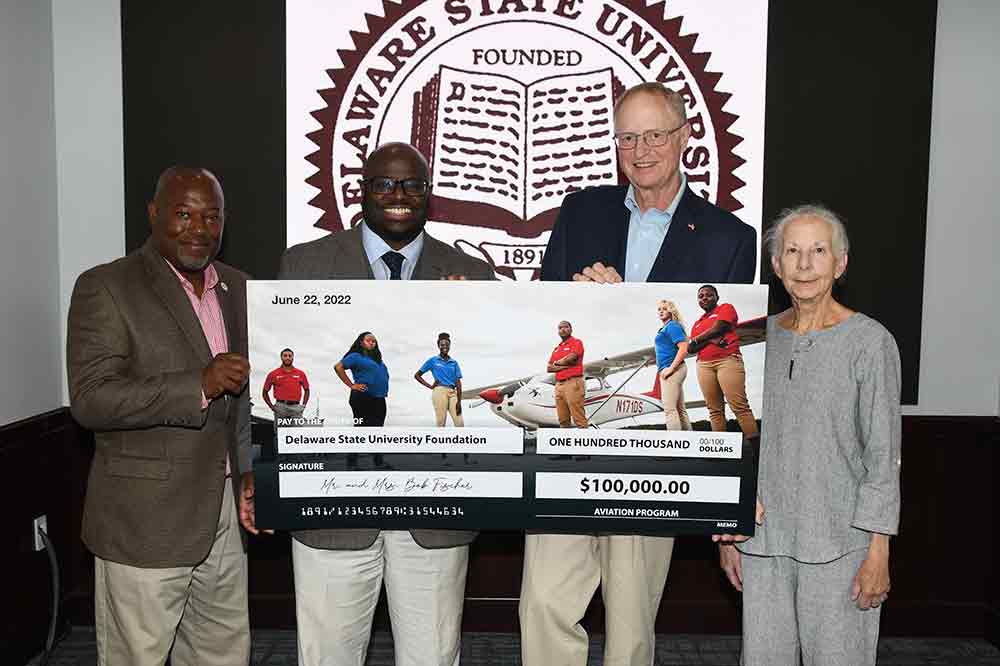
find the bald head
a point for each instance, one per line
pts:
(393, 151)
(181, 176)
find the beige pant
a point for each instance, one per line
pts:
(672, 397)
(722, 381)
(201, 610)
(336, 592)
(445, 401)
(570, 395)
(561, 574)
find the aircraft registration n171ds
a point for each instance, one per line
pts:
(529, 402)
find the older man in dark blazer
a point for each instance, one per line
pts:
(338, 573)
(156, 354)
(655, 229)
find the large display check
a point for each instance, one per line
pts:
(435, 408)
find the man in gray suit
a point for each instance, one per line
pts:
(338, 573)
(156, 354)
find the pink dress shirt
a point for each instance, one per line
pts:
(209, 314)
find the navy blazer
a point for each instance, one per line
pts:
(704, 242)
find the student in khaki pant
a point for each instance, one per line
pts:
(446, 391)
(566, 362)
(720, 365)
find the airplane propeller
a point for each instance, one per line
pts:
(491, 395)
(497, 395)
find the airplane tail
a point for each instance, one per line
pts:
(655, 393)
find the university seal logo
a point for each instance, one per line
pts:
(511, 102)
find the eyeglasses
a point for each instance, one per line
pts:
(652, 138)
(414, 187)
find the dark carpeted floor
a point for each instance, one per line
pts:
(277, 648)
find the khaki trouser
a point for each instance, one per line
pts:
(570, 395)
(726, 378)
(445, 401)
(201, 610)
(336, 592)
(561, 574)
(672, 397)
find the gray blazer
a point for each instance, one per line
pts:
(135, 351)
(342, 256)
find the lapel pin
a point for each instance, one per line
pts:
(691, 227)
(224, 286)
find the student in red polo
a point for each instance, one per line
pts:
(567, 362)
(720, 364)
(291, 388)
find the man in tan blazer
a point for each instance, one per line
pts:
(338, 573)
(156, 354)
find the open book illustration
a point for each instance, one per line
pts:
(503, 154)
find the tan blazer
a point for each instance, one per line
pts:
(135, 351)
(342, 257)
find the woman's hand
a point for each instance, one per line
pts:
(739, 538)
(871, 584)
(359, 387)
(732, 564)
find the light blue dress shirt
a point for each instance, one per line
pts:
(375, 247)
(646, 233)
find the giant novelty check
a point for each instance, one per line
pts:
(431, 405)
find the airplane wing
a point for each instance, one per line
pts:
(601, 368)
(612, 364)
(505, 387)
(751, 331)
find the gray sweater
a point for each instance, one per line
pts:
(830, 445)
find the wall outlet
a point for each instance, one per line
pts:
(43, 523)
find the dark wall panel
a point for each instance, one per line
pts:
(204, 85)
(45, 460)
(847, 124)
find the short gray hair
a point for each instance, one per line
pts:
(671, 98)
(774, 237)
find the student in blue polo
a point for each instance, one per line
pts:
(370, 382)
(446, 391)
(671, 349)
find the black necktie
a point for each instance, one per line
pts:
(394, 260)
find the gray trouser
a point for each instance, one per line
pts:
(791, 607)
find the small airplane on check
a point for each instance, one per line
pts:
(529, 402)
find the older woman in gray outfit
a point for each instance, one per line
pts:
(817, 571)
